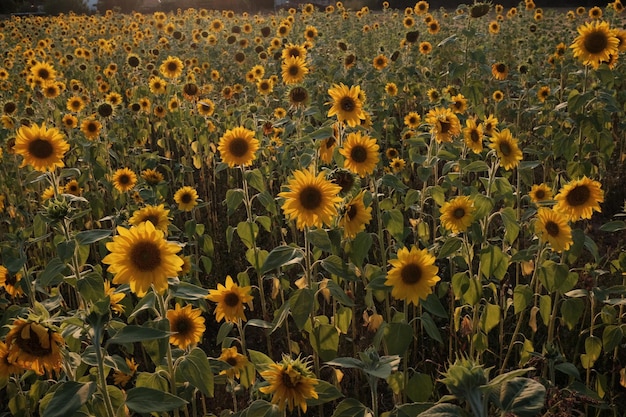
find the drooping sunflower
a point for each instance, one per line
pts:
(595, 43)
(457, 214)
(238, 146)
(157, 215)
(540, 192)
(187, 325)
(291, 383)
(124, 179)
(506, 148)
(114, 297)
(473, 135)
(579, 199)
(551, 227)
(355, 216)
(42, 148)
(413, 274)
(186, 197)
(499, 70)
(34, 346)
(7, 368)
(230, 299)
(327, 148)
(361, 153)
(346, 104)
(11, 282)
(236, 360)
(294, 70)
(172, 67)
(445, 125)
(311, 200)
(412, 120)
(151, 176)
(91, 128)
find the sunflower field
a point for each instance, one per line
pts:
(327, 212)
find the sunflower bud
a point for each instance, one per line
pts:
(57, 209)
(479, 9)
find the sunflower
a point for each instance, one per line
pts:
(421, 7)
(494, 27)
(433, 95)
(458, 104)
(327, 148)
(397, 165)
(595, 43)
(205, 107)
(43, 72)
(499, 71)
(114, 297)
(346, 104)
(490, 125)
(291, 383)
(506, 148)
(236, 360)
(445, 125)
(172, 67)
(551, 227)
(186, 198)
(75, 104)
(264, 86)
(380, 62)
(230, 299)
(311, 200)
(413, 274)
(151, 176)
(540, 192)
(187, 326)
(238, 146)
(72, 187)
(293, 70)
(122, 379)
(543, 93)
(42, 148)
(425, 48)
(391, 89)
(11, 282)
(294, 51)
(124, 179)
(140, 256)
(7, 368)
(579, 199)
(355, 216)
(157, 215)
(497, 96)
(473, 135)
(412, 120)
(91, 128)
(361, 153)
(457, 214)
(595, 13)
(34, 346)
(157, 85)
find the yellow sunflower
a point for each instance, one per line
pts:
(42, 148)
(506, 148)
(230, 299)
(499, 70)
(152, 176)
(543, 93)
(311, 200)
(294, 51)
(457, 214)
(157, 215)
(595, 43)
(114, 297)
(361, 153)
(579, 199)
(445, 125)
(380, 62)
(458, 104)
(157, 85)
(7, 368)
(412, 120)
(34, 346)
(205, 107)
(540, 192)
(75, 104)
(355, 216)
(187, 325)
(238, 146)
(90, 128)
(391, 89)
(291, 383)
(140, 256)
(294, 69)
(122, 379)
(72, 187)
(327, 148)
(490, 124)
(11, 282)
(473, 135)
(43, 72)
(551, 227)
(397, 165)
(413, 274)
(186, 197)
(236, 360)
(172, 67)
(346, 104)
(425, 47)
(124, 179)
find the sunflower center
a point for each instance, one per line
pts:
(298, 95)
(92, 127)
(474, 137)
(310, 198)
(347, 104)
(32, 345)
(11, 280)
(40, 148)
(172, 66)
(501, 68)
(578, 196)
(185, 198)
(145, 256)
(505, 148)
(352, 211)
(238, 147)
(152, 218)
(552, 228)
(290, 381)
(294, 70)
(231, 299)
(540, 194)
(445, 126)
(411, 274)
(330, 142)
(182, 325)
(43, 73)
(458, 213)
(358, 154)
(231, 361)
(123, 179)
(596, 42)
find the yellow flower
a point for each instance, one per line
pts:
(238, 146)
(34, 346)
(7, 368)
(355, 216)
(540, 192)
(473, 135)
(293, 70)
(579, 199)
(11, 282)
(186, 198)
(121, 378)
(187, 326)
(458, 104)
(291, 383)
(499, 70)
(361, 153)
(413, 274)
(551, 227)
(230, 300)
(380, 62)
(157, 215)
(172, 67)
(506, 148)
(236, 360)
(457, 214)
(42, 148)
(114, 297)
(595, 43)
(397, 165)
(90, 128)
(140, 256)
(346, 104)
(327, 148)
(412, 120)
(124, 180)
(445, 125)
(311, 200)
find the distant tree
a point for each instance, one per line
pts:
(8, 6)
(123, 6)
(65, 6)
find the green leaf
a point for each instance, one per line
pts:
(493, 262)
(319, 238)
(261, 408)
(571, 311)
(53, 273)
(397, 337)
(351, 407)
(91, 236)
(431, 327)
(359, 248)
(132, 334)
(234, 198)
(443, 410)
(247, 232)
(301, 304)
(490, 317)
(282, 256)
(335, 265)
(326, 392)
(339, 293)
(260, 360)
(91, 287)
(152, 380)
(522, 296)
(511, 224)
(65, 249)
(195, 369)
(476, 166)
(611, 337)
(545, 308)
(593, 347)
(450, 247)
(394, 223)
(420, 387)
(613, 226)
(433, 305)
(568, 369)
(69, 398)
(522, 397)
(343, 318)
(552, 275)
(393, 182)
(188, 291)
(255, 179)
(148, 400)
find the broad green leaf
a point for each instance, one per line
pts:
(195, 369)
(91, 236)
(511, 224)
(431, 327)
(450, 247)
(493, 262)
(325, 341)
(360, 247)
(53, 273)
(132, 334)
(443, 410)
(343, 318)
(152, 380)
(522, 397)
(476, 166)
(188, 291)
(282, 256)
(545, 308)
(433, 305)
(397, 337)
(301, 304)
(522, 296)
(490, 317)
(247, 232)
(261, 408)
(339, 294)
(393, 221)
(319, 238)
(552, 275)
(69, 398)
(593, 347)
(91, 287)
(420, 387)
(351, 407)
(326, 392)
(260, 360)
(613, 226)
(255, 179)
(234, 197)
(571, 311)
(335, 265)
(568, 369)
(148, 400)
(611, 337)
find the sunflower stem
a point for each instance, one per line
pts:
(102, 378)
(381, 242)
(170, 363)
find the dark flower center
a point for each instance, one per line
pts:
(43, 73)
(330, 142)
(231, 361)
(474, 136)
(182, 325)
(145, 256)
(596, 42)
(9, 107)
(310, 197)
(411, 274)
(501, 68)
(10, 279)
(294, 70)
(352, 211)
(40, 148)
(288, 381)
(578, 196)
(32, 345)
(345, 180)
(240, 57)
(152, 218)
(445, 126)
(458, 213)
(172, 66)
(298, 95)
(358, 154)
(231, 299)
(505, 148)
(133, 61)
(540, 194)
(104, 110)
(238, 147)
(190, 89)
(92, 127)
(185, 198)
(124, 179)
(347, 104)
(552, 228)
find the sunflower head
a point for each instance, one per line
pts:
(505, 146)
(361, 154)
(35, 346)
(355, 216)
(157, 215)
(347, 104)
(41, 147)
(595, 43)
(230, 299)
(236, 360)
(457, 214)
(413, 275)
(238, 146)
(552, 227)
(187, 326)
(291, 383)
(579, 199)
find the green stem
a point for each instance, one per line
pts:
(171, 369)
(381, 242)
(102, 379)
